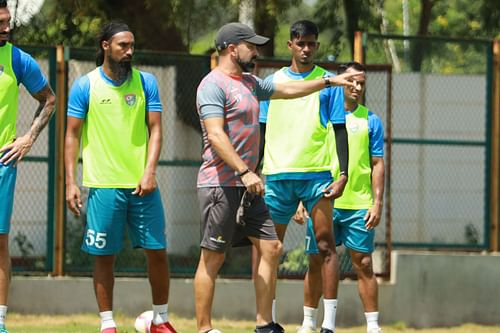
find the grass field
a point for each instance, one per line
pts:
(17, 323)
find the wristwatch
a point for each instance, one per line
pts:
(241, 174)
(328, 83)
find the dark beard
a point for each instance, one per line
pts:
(246, 66)
(2, 43)
(121, 69)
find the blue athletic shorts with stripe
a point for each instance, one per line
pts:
(349, 229)
(283, 196)
(110, 210)
(8, 175)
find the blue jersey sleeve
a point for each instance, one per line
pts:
(150, 86)
(332, 106)
(78, 101)
(376, 135)
(211, 100)
(265, 88)
(264, 107)
(264, 104)
(27, 71)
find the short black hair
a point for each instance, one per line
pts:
(3, 3)
(107, 31)
(303, 28)
(353, 64)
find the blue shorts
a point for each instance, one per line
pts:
(349, 229)
(7, 188)
(110, 209)
(283, 196)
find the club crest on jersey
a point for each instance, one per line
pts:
(130, 99)
(354, 127)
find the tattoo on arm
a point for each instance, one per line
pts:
(45, 110)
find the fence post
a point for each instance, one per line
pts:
(495, 150)
(59, 206)
(358, 47)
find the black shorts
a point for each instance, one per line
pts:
(219, 207)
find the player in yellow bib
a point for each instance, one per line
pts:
(115, 112)
(16, 67)
(299, 136)
(358, 211)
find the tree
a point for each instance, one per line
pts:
(490, 13)
(267, 15)
(157, 24)
(358, 15)
(418, 50)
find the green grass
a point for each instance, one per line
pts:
(89, 323)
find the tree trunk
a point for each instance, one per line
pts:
(247, 12)
(351, 9)
(419, 47)
(265, 25)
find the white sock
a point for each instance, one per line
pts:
(310, 315)
(160, 314)
(330, 306)
(107, 320)
(3, 314)
(371, 320)
(273, 310)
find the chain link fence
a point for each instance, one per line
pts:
(178, 76)
(440, 176)
(377, 97)
(31, 236)
(436, 154)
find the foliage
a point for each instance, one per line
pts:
(27, 261)
(471, 234)
(76, 23)
(458, 18)
(340, 19)
(268, 13)
(295, 261)
(23, 243)
(183, 25)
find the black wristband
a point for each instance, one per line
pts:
(241, 174)
(328, 83)
(343, 173)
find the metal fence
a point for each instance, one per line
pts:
(438, 196)
(378, 98)
(441, 145)
(178, 76)
(31, 238)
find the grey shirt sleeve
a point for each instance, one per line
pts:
(264, 88)
(211, 100)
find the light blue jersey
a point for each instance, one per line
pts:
(27, 71)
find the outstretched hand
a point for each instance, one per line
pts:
(345, 79)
